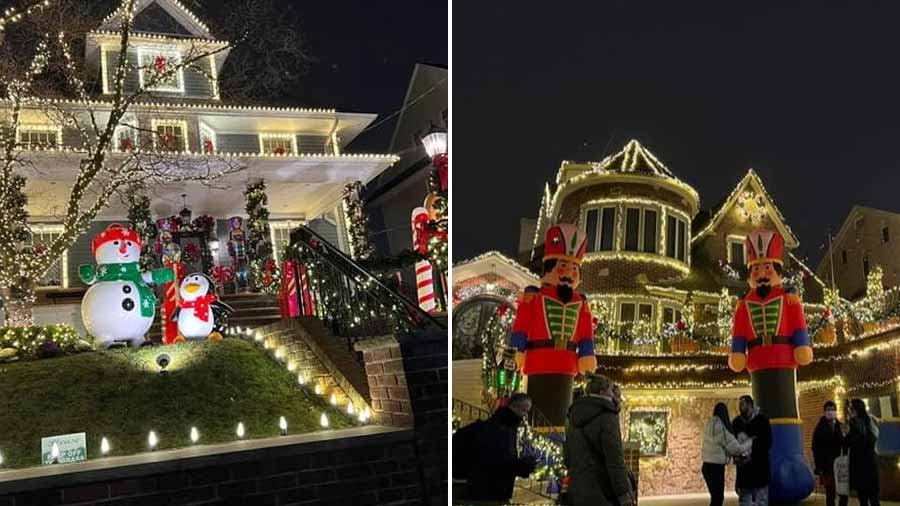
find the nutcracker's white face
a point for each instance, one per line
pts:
(120, 251)
(193, 286)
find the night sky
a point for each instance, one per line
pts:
(808, 96)
(365, 53)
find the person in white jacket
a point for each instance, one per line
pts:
(719, 444)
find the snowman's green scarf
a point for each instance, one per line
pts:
(128, 272)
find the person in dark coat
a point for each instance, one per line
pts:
(594, 454)
(753, 472)
(495, 460)
(828, 440)
(861, 441)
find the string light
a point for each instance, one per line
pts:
(104, 447)
(240, 430)
(283, 425)
(333, 400)
(323, 420)
(152, 440)
(195, 435)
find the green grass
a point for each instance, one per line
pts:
(120, 395)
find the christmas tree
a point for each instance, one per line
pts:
(357, 222)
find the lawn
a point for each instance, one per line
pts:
(120, 394)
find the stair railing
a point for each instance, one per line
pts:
(349, 299)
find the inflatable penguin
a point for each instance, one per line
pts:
(200, 313)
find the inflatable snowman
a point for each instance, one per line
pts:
(200, 314)
(119, 306)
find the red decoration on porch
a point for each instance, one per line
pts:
(170, 302)
(223, 274)
(287, 295)
(126, 144)
(268, 272)
(191, 252)
(208, 146)
(161, 64)
(442, 162)
(279, 150)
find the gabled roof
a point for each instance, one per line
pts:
(633, 158)
(751, 181)
(497, 263)
(174, 8)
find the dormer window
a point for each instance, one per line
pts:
(125, 138)
(170, 135)
(39, 136)
(736, 250)
(160, 70)
(278, 144)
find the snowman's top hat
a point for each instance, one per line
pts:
(116, 232)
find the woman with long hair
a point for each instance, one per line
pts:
(719, 444)
(863, 462)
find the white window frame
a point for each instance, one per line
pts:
(686, 239)
(52, 229)
(280, 225)
(39, 128)
(637, 303)
(206, 131)
(642, 213)
(272, 135)
(122, 127)
(735, 239)
(170, 122)
(153, 52)
(599, 237)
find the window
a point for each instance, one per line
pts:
(632, 228)
(676, 238)
(844, 256)
(627, 312)
(125, 138)
(607, 229)
(39, 137)
(645, 312)
(885, 235)
(671, 315)
(160, 69)
(170, 135)
(866, 265)
(591, 229)
(207, 139)
(736, 251)
(278, 144)
(640, 230)
(649, 231)
(42, 236)
(281, 236)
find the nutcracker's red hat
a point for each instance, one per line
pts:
(565, 241)
(116, 232)
(764, 246)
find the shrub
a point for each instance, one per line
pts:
(40, 341)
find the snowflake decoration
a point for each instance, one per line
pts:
(752, 206)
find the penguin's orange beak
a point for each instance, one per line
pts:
(191, 287)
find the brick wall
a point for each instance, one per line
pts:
(375, 469)
(408, 381)
(811, 403)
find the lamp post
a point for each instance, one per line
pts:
(435, 143)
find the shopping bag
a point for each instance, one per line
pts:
(842, 475)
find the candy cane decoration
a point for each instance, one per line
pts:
(424, 271)
(290, 304)
(309, 308)
(169, 327)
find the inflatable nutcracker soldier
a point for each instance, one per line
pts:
(552, 332)
(770, 339)
(237, 249)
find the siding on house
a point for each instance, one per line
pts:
(196, 82)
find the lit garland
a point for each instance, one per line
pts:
(29, 341)
(752, 206)
(357, 221)
(646, 428)
(259, 246)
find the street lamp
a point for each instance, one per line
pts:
(435, 143)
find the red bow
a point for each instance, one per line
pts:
(223, 274)
(200, 305)
(160, 64)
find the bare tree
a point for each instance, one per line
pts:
(42, 77)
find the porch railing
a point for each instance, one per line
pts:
(351, 301)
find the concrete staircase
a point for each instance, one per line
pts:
(250, 310)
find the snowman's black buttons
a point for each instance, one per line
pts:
(128, 304)
(126, 289)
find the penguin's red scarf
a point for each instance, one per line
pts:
(200, 305)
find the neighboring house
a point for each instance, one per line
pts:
(868, 237)
(652, 254)
(297, 151)
(391, 196)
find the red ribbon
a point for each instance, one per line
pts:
(200, 305)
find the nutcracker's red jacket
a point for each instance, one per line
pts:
(769, 329)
